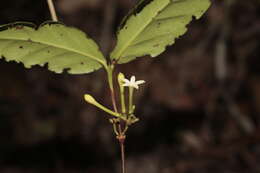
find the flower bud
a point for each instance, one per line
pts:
(120, 78)
(89, 99)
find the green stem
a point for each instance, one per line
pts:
(120, 136)
(92, 101)
(131, 92)
(122, 92)
(108, 110)
(110, 70)
(115, 130)
(122, 98)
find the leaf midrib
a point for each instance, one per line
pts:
(137, 33)
(60, 47)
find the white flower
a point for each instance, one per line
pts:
(132, 82)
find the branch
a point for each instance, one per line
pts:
(52, 10)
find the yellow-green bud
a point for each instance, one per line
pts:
(120, 78)
(89, 99)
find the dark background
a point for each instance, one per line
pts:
(199, 108)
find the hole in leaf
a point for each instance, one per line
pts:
(138, 8)
(66, 70)
(141, 5)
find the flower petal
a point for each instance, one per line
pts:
(135, 86)
(132, 80)
(140, 82)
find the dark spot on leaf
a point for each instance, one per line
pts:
(48, 51)
(21, 47)
(61, 35)
(82, 63)
(156, 45)
(126, 27)
(29, 40)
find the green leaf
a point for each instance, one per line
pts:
(59, 46)
(153, 25)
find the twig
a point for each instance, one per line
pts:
(120, 136)
(109, 13)
(242, 120)
(119, 132)
(221, 71)
(52, 10)
(121, 139)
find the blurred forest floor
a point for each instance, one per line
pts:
(199, 108)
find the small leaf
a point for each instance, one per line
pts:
(153, 25)
(59, 46)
